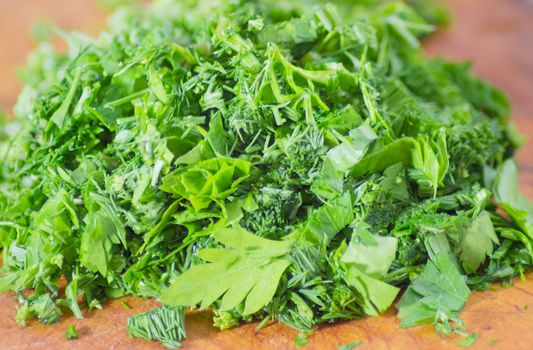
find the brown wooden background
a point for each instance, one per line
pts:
(496, 34)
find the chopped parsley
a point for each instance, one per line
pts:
(270, 160)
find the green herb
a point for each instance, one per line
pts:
(72, 333)
(125, 305)
(301, 339)
(165, 324)
(438, 292)
(41, 307)
(247, 272)
(268, 160)
(468, 341)
(351, 345)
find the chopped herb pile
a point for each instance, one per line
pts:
(270, 160)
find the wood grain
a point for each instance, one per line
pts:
(504, 316)
(498, 38)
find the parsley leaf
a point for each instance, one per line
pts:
(248, 270)
(439, 290)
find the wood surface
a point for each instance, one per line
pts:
(496, 34)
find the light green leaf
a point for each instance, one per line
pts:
(510, 199)
(330, 182)
(426, 168)
(440, 288)
(325, 222)
(103, 229)
(395, 183)
(371, 254)
(475, 241)
(207, 181)
(157, 85)
(248, 270)
(58, 216)
(398, 151)
(347, 154)
(377, 295)
(60, 115)
(343, 121)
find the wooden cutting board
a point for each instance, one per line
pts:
(498, 37)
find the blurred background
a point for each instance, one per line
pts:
(496, 35)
